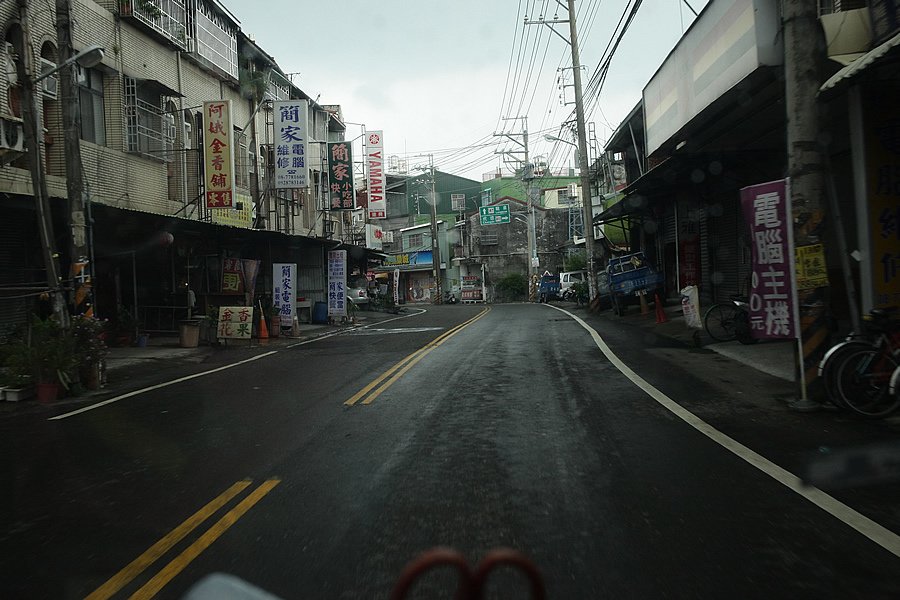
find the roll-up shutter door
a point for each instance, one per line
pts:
(311, 274)
(724, 248)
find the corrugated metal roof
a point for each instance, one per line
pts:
(861, 63)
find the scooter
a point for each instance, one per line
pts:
(450, 298)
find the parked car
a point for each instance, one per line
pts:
(569, 278)
(358, 291)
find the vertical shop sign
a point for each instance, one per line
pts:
(337, 283)
(291, 137)
(340, 176)
(883, 175)
(218, 154)
(232, 276)
(284, 282)
(377, 180)
(689, 246)
(396, 287)
(766, 209)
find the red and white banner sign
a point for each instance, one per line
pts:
(377, 178)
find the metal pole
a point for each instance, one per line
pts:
(435, 247)
(583, 158)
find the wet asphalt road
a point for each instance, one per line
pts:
(516, 431)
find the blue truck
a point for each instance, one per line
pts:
(630, 275)
(548, 288)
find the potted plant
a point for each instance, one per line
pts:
(124, 328)
(46, 353)
(90, 349)
(274, 321)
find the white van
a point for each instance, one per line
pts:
(569, 278)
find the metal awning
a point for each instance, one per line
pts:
(860, 64)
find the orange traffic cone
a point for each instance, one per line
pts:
(263, 330)
(660, 313)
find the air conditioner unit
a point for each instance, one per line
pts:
(50, 85)
(12, 138)
(12, 77)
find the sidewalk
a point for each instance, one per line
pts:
(163, 358)
(774, 358)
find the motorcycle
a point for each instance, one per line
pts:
(450, 298)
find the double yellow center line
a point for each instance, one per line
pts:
(128, 574)
(399, 369)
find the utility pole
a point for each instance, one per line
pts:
(583, 159)
(806, 171)
(71, 120)
(527, 180)
(31, 129)
(435, 246)
(583, 165)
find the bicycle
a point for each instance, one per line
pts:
(862, 376)
(728, 321)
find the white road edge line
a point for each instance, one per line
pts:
(158, 386)
(216, 370)
(879, 534)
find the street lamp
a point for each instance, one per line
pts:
(553, 138)
(89, 57)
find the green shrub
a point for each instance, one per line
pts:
(511, 288)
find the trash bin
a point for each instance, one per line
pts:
(189, 333)
(320, 313)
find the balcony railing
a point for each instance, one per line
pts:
(166, 17)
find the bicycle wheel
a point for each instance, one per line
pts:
(720, 321)
(862, 382)
(829, 367)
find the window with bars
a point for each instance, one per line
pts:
(149, 130)
(213, 36)
(90, 96)
(241, 160)
(166, 17)
(415, 241)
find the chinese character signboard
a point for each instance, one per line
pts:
(766, 209)
(291, 137)
(374, 237)
(377, 179)
(218, 154)
(471, 288)
(239, 215)
(337, 283)
(340, 176)
(422, 257)
(232, 276)
(284, 292)
(494, 215)
(688, 245)
(396, 286)
(235, 322)
(811, 270)
(882, 154)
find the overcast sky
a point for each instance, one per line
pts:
(441, 78)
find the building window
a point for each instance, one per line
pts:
(149, 130)
(90, 95)
(415, 241)
(213, 36)
(241, 166)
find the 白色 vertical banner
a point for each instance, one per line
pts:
(766, 209)
(291, 138)
(284, 283)
(377, 179)
(337, 283)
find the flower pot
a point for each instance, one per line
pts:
(90, 376)
(16, 394)
(47, 392)
(275, 326)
